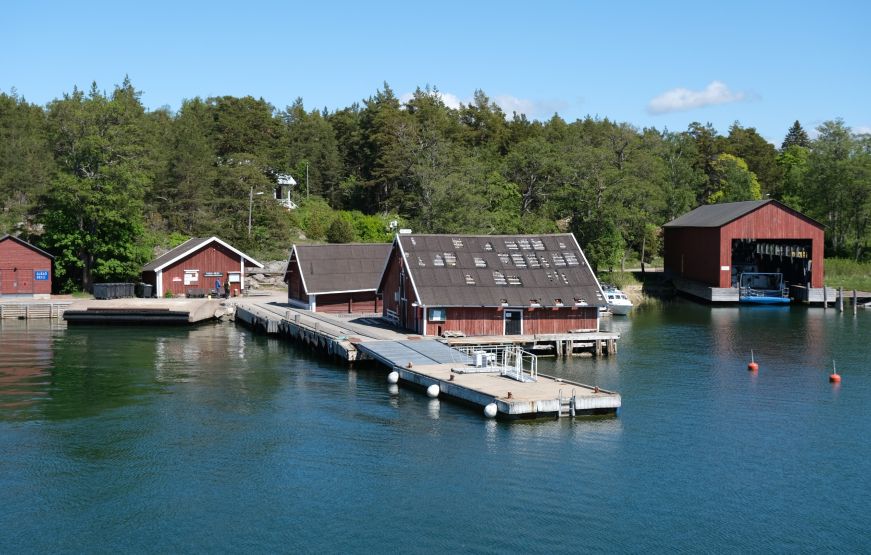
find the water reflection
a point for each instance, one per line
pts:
(433, 408)
(26, 353)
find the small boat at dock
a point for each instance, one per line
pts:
(762, 288)
(618, 302)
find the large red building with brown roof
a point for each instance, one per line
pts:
(490, 285)
(713, 244)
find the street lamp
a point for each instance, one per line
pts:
(251, 207)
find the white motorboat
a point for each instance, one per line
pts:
(618, 302)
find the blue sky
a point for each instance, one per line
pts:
(662, 64)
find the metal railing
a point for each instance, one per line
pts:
(509, 360)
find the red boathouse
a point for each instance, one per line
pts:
(490, 285)
(25, 270)
(192, 268)
(708, 248)
(336, 278)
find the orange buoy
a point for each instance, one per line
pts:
(834, 377)
(752, 366)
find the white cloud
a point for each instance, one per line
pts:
(509, 104)
(449, 100)
(680, 99)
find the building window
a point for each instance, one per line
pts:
(438, 315)
(191, 277)
(235, 277)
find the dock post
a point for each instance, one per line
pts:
(855, 302)
(840, 299)
(825, 297)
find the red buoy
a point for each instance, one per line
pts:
(834, 377)
(752, 366)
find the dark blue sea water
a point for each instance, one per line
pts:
(213, 439)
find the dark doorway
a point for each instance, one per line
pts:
(789, 257)
(513, 322)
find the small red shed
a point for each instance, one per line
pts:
(195, 268)
(490, 285)
(712, 245)
(25, 270)
(336, 278)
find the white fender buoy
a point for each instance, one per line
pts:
(490, 410)
(393, 377)
(433, 390)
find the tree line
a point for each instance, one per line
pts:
(100, 181)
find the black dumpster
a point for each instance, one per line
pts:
(113, 290)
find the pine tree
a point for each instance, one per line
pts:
(796, 136)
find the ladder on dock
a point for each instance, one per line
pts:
(567, 404)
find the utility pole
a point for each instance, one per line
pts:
(250, 208)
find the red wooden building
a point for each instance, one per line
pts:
(194, 267)
(712, 245)
(25, 270)
(490, 285)
(336, 278)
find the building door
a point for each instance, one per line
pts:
(513, 322)
(16, 282)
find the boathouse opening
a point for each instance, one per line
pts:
(790, 257)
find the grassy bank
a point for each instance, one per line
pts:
(842, 272)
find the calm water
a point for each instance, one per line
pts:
(211, 439)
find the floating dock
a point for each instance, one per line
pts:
(470, 371)
(145, 311)
(516, 394)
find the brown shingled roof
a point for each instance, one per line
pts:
(340, 268)
(497, 270)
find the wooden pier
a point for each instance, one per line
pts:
(429, 362)
(28, 310)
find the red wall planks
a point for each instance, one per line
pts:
(211, 258)
(18, 266)
(693, 253)
(359, 302)
(475, 321)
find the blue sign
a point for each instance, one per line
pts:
(40, 275)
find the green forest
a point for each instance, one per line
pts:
(100, 181)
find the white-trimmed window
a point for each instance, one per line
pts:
(438, 315)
